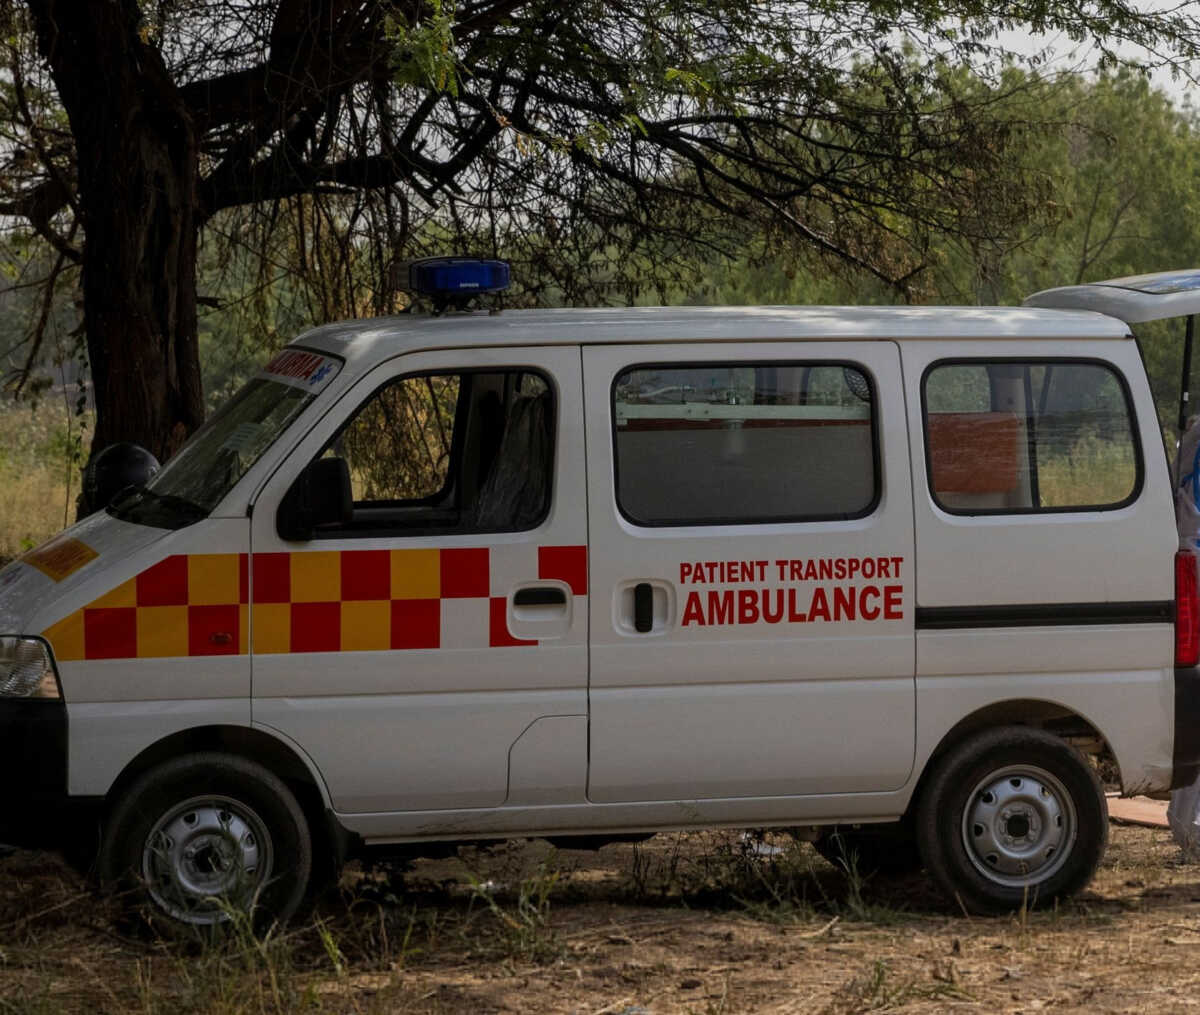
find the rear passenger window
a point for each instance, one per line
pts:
(1010, 437)
(729, 443)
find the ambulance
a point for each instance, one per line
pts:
(904, 579)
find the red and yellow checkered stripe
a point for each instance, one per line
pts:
(321, 601)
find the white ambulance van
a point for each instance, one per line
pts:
(895, 576)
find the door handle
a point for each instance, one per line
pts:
(643, 607)
(539, 597)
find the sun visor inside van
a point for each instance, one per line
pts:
(1133, 299)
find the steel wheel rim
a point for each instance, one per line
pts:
(1019, 826)
(205, 855)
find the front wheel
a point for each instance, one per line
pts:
(1013, 817)
(206, 835)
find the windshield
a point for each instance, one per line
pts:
(193, 482)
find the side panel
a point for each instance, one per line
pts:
(407, 666)
(748, 682)
(1112, 569)
(164, 649)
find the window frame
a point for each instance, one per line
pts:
(456, 451)
(691, 364)
(1031, 435)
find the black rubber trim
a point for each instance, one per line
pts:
(1186, 754)
(539, 597)
(935, 618)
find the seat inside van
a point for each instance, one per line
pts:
(975, 457)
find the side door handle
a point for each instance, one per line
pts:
(540, 596)
(643, 607)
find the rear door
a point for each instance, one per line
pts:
(752, 571)
(1045, 526)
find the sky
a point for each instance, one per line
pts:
(1066, 54)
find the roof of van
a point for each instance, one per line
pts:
(376, 337)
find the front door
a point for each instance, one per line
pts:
(752, 571)
(407, 649)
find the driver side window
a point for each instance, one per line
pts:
(449, 453)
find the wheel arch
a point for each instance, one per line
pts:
(1051, 716)
(330, 840)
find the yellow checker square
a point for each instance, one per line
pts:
(66, 637)
(416, 574)
(162, 631)
(272, 627)
(213, 579)
(124, 594)
(316, 577)
(366, 625)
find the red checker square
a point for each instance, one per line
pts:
(366, 574)
(565, 564)
(316, 627)
(498, 636)
(164, 584)
(243, 577)
(272, 577)
(465, 573)
(110, 633)
(416, 623)
(213, 630)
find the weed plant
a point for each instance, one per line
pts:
(521, 929)
(878, 990)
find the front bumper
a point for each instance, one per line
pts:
(1186, 753)
(35, 810)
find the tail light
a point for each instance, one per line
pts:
(1187, 610)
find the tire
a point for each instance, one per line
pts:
(1014, 817)
(888, 849)
(204, 835)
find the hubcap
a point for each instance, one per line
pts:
(1019, 826)
(204, 855)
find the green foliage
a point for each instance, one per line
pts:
(424, 53)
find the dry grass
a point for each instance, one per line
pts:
(39, 473)
(1093, 472)
(698, 923)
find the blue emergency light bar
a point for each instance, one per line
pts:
(449, 278)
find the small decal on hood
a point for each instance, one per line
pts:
(61, 557)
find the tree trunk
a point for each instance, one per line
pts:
(137, 158)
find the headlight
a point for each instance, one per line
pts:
(25, 669)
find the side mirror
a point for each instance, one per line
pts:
(320, 496)
(112, 470)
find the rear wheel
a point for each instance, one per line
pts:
(1012, 817)
(206, 835)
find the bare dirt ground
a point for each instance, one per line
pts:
(700, 922)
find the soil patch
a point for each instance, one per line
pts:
(696, 922)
